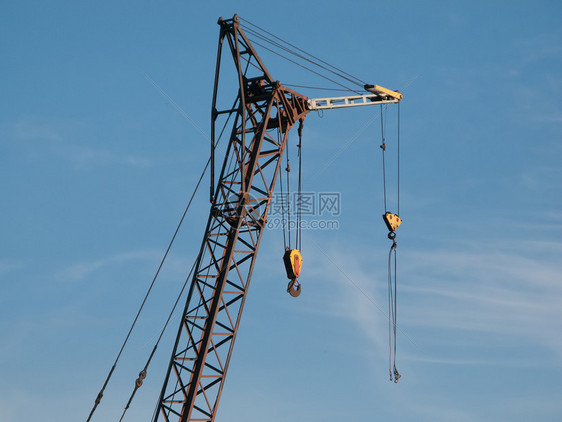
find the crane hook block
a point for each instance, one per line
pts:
(293, 263)
(392, 221)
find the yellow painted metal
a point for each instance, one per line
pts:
(296, 262)
(392, 221)
(293, 263)
(377, 89)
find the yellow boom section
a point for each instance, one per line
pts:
(377, 89)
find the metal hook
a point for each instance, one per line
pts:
(397, 375)
(294, 288)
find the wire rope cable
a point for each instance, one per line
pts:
(229, 179)
(288, 170)
(317, 87)
(398, 159)
(100, 394)
(299, 188)
(282, 197)
(305, 67)
(396, 374)
(142, 374)
(383, 147)
(392, 274)
(392, 314)
(201, 298)
(302, 51)
(300, 56)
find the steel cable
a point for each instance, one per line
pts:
(307, 68)
(383, 147)
(100, 394)
(303, 51)
(288, 50)
(299, 203)
(398, 171)
(281, 186)
(231, 175)
(143, 373)
(316, 87)
(392, 313)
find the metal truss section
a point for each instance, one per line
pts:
(262, 117)
(347, 101)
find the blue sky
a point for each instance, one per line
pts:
(97, 164)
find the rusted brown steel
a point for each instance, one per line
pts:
(240, 204)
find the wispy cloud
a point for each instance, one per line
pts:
(7, 266)
(45, 139)
(444, 412)
(512, 295)
(537, 48)
(81, 270)
(28, 130)
(505, 294)
(554, 117)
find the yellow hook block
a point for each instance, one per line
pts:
(392, 221)
(293, 263)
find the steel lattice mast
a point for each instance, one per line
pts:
(264, 112)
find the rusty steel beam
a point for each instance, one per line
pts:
(263, 114)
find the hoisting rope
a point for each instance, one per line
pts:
(298, 199)
(282, 197)
(100, 394)
(287, 171)
(383, 148)
(398, 162)
(298, 243)
(292, 257)
(392, 313)
(392, 222)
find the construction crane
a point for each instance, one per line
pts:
(262, 115)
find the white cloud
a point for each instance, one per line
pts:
(63, 141)
(512, 295)
(174, 266)
(83, 269)
(7, 266)
(536, 49)
(444, 412)
(555, 117)
(26, 130)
